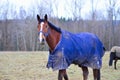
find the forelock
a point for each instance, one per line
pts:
(41, 20)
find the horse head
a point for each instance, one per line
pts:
(43, 29)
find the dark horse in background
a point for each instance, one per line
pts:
(114, 55)
(65, 48)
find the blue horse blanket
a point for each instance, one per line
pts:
(84, 49)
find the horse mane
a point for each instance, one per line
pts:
(54, 27)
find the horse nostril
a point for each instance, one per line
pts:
(43, 40)
(42, 43)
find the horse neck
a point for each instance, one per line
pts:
(52, 39)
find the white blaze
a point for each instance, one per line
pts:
(41, 32)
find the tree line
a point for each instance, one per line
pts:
(22, 35)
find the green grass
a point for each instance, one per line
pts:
(32, 66)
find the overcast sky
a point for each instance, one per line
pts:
(62, 9)
(86, 7)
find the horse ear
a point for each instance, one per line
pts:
(38, 17)
(45, 17)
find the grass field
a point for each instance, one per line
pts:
(32, 66)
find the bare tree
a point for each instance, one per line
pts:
(22, 13)
(75, 8)
(112, 17)
(46, 7)
(93, 9)
(111, 9)
(48, 4)
(5, 29)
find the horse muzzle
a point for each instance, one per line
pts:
(42, 41)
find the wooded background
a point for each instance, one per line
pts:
(22, 35)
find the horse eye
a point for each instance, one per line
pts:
(37, 26)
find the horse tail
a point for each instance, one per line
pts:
(112, 56)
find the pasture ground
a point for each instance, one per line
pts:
(32, 66)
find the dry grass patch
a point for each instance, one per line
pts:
(32, 66)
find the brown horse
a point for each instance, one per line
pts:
(47, 31)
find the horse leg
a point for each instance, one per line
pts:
(115, 63)
(96, 74)
(62, 74)
(85, 72)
